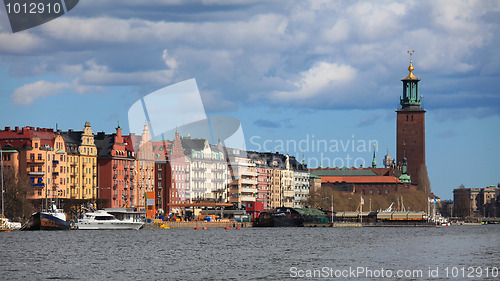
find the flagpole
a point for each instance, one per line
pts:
(361, 215)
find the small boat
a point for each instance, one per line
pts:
(53, 219)
(100, 219)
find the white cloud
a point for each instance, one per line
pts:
(27, 94)
(169, 61)
(316, 80)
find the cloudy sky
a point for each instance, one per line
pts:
(297, 74)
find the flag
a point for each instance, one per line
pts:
(362, 201)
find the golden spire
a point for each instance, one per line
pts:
(411, 68)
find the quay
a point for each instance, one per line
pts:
(195, 224)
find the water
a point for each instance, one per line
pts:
(250, 253)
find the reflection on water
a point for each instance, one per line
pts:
(249, 253)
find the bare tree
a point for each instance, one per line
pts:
(17, 190)
(424, 184)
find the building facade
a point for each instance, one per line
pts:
(474, 202)
(410, 139)
(243, 184)
(116, 164)
(40, 155)
(82, 163)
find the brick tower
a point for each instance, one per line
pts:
(410, 138)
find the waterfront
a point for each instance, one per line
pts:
(248, 253)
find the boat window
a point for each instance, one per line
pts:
(103, 218)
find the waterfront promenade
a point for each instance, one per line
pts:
(195, 224)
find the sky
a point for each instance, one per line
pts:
(320, 80)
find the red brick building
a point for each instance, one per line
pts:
(115, 162)
(411, 127)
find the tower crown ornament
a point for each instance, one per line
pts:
(411, 68)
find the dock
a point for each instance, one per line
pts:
(199, 224)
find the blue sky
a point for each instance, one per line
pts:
(300, 72)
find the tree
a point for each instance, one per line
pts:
(424, 184)
(17, 190)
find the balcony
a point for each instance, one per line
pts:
(199, 169)
(36, 173)
(126, 186)
(35, 161)
(55, 174)
(114, 176)
(249, 190)
(288, 193)
(126, 176)
(115, 186)
(247, 181)
(73, 164)
(38, 184)
(248, 173)
(126, 167)
(115, 166)
(55, 162)
(247, 199)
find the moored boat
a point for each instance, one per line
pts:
(100, 219)
(54, 219)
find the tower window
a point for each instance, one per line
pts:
(412, 118)
(406, 117)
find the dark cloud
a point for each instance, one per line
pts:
(267, 123)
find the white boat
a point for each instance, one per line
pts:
(101, 219)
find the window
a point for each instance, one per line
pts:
(371, 191)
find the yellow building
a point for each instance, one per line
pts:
(82, 164)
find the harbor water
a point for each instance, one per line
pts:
(406, 253)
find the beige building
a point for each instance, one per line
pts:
(243, 185)
(143, 172)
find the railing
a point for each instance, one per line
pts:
(248, 198)
(249, 190)
(36, 173)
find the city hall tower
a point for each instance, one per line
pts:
(410, 139)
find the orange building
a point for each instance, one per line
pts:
(41, 155)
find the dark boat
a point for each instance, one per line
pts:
(54, 220)
(279, 217)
